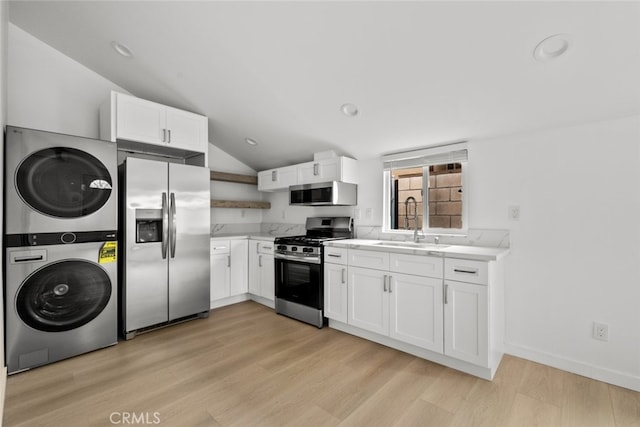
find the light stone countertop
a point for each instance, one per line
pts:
(478, 253)
(236, 236)
(255, 235)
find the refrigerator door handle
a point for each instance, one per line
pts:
(165, 226)
(172, 219)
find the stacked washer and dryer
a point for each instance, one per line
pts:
(60, 246)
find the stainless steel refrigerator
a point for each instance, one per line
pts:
(164, 220)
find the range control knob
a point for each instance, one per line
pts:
(307, 249)
(294, 248)
(282, 247)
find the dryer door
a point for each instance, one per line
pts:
(63, 182)
(64, 295)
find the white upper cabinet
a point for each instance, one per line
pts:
(186, 130)
(127, 118)
(277, 179)
(341, 168)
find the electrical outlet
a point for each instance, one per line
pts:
(514, 212)
(600, 331)
(368, 213)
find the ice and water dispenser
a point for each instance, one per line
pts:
(148, 225)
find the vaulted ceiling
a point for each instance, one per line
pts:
(420, 73)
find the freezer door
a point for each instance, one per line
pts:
(145, 278)
(189, 215)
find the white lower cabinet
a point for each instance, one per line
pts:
(335, 291)
(415, 310)
(368, 300)
(229, 269)
(450, 307)
(466, 322)
(405, 307)
(261, 269)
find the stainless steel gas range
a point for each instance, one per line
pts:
(299, 268)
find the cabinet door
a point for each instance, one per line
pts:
(254, 268)
(335, 292)
(267, 276)
(239, 267)
(220, 276)
(466, 322)
(277, 179)
(415, 309)
(186, 130)
(368, 300)
(308, 172)
(139, 120)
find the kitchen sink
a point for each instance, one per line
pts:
(412, 245)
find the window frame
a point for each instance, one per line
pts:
(426, 230)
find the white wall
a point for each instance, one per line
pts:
(50, 91)
(576, 247)
(575, 250)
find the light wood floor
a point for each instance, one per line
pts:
(245, 365)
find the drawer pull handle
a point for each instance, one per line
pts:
(446, 291)
(390, 277)
(219, 247)
(343, 271)
(465, 271)
(335, 255)
(228, 260)
(384, 283)
(267, 247)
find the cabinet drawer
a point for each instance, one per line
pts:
(416, 264)
(369, 259)
(464, 270)
(261, 247)
(335, 255)
(220, 247)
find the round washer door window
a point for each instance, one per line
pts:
(63, 182)
(63, 296)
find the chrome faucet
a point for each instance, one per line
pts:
(416, 237)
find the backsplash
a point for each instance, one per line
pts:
(277, 229)
(274, 229)
(234, 228)
(474, 237)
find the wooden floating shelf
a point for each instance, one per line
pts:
(240, 204)
(234, 177)
(238, 179)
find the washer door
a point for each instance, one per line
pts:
(63, 182)
(64, 295)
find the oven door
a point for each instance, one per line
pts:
(300, 282)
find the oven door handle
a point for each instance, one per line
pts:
(307, 260)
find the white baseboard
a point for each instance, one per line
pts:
(228, 301)
(610, 376)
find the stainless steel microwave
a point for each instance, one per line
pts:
(332, 193)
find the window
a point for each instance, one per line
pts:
(424, 190)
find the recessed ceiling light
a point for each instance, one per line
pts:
(121, 49)
(250, 141)
(349, 110)
(552, 47)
